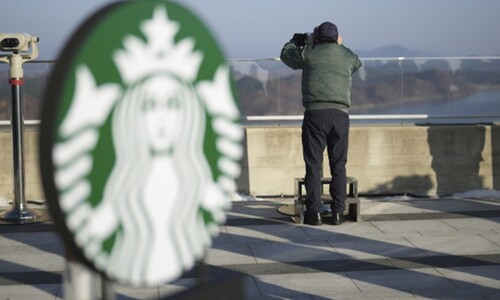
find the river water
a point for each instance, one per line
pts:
(480, 104)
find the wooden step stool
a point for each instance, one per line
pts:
(352, 204)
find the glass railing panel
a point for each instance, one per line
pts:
(36, 76)
(459, 90)
(434, 90)
(5, 93)
(426, 85)
(376, 87)
(267, 87)
(476, 89)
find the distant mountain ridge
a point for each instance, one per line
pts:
(393, 51)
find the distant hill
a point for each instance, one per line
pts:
(393, 51)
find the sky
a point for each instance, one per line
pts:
(259, 28)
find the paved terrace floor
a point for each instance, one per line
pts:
(405, 249)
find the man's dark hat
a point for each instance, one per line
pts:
(326, 31)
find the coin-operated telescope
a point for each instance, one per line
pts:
(12, 44)
(15, 43)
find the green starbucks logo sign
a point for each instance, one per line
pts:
(140, 141)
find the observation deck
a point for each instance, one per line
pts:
(424, 147)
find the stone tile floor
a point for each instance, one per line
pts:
(404, 249)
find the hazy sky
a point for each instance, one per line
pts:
(259, 28)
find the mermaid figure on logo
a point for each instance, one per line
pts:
(160, 190)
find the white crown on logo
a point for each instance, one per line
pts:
(160, 53)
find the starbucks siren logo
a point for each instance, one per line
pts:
(160, 204)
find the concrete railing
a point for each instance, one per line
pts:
(33, 186)
(385, 159)
(439, 159)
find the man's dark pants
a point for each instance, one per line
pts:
(325, 128)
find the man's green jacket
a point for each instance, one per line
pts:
(326, 73)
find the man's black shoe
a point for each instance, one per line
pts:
(313, 219)
(338, 218)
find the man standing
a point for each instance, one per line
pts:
(327, 68)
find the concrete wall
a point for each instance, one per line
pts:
(33, 184)
(384, 159)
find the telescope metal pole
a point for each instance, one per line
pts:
(19, 213)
